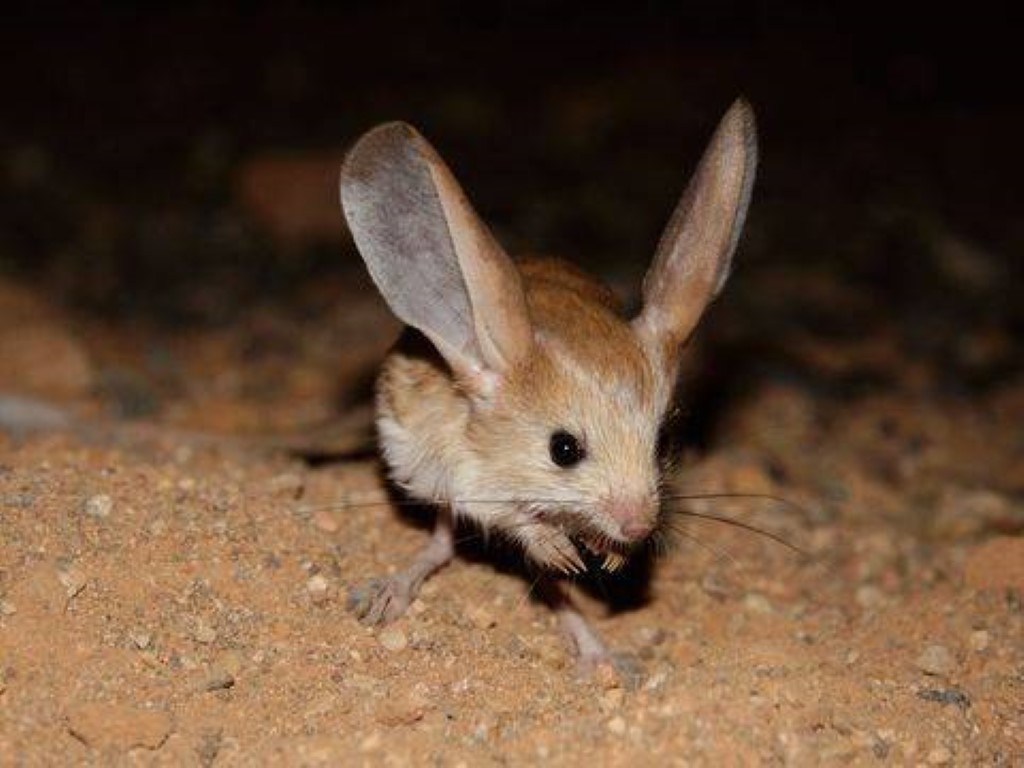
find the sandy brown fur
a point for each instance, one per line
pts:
(443, 441)
(525, 400)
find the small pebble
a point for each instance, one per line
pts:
(979, 639)
(936, 660)
(421, 641)
(756, 603)
(657, 680)
(418, 607)
(482, 618)
(318, 588)
(7, 608)
(612, 700)
(287, 484)
(150, 659)
(482, 731)
(325, 520)
(939, 756)
(403, 709)
(869, 597)
(393, 639)
(99, 506)
(219, 680)
(617, 726)
(72, 580)
(652, 636)
(140, 639)
(946, 696)
(605, 676)
(715, 587)
(204, 633)
(552, 655)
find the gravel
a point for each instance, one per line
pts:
(99, 506)
(393, 639)
(936, 660)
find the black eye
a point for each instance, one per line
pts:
(565, 449)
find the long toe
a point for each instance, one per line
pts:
(379, 600)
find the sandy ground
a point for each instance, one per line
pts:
(169, 601)
(168, 180)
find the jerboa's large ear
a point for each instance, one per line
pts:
(695, 253)
(436, 264)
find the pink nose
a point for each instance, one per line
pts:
(636, 529)
(634, 517)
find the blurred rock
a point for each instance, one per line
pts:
(946, 696)
(616, 726)
(393, 639)
(996, 564)
(20, 305)
(404, 709)
(99, 506)
(318, 588)
(325, 520)
(21, 415)
(40, 354)
(203, 632)
(217, 680)
(964, 512)
(140, 638)
(757, 603)
(294, 196)
(129, 393)
(43, 359)
(979, 640)
(936, 660)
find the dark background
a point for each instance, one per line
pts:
(890, 145)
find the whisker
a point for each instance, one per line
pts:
(572, 526)
(713, 496)
(717, 552)
(656, 543)
(345, 504)
(745, 526)
(665, 497)
(529, 591)
(660, 542)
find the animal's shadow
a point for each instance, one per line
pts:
(623, 591)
